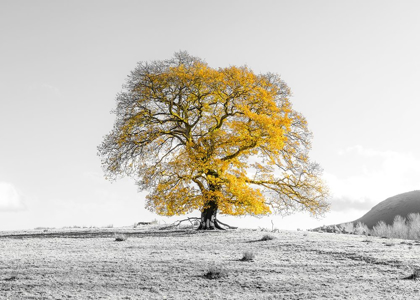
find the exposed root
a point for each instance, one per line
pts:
(201, 225)
(176, 224)
(226, 225)
(217, 225)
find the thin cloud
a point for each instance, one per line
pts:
(396, 173)
(345, 204)
(10, 198)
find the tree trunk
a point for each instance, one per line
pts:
(208, 217)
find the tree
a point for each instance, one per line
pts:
(216, 140)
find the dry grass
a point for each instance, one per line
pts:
(248, 256)
(267, 237)
(215, 272)
(173, 264)
(120, 237)
(402, 228)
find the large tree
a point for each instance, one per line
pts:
(216, 140)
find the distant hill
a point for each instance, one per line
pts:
(402, 204)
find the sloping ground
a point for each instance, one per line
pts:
(402, 204)
(151, 265)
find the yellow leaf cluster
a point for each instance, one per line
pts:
(195, 135)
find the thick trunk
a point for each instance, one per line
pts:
(208, 217)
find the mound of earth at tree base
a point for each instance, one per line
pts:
(386, 211)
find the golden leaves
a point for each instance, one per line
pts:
(193, 134)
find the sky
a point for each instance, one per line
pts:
(353, 68)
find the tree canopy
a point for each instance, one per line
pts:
(201, 138)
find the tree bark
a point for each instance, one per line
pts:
(209, 217)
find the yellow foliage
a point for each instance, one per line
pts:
(193, 135)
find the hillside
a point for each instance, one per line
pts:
(172, 264)
(402, 204)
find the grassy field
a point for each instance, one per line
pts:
(156, 264)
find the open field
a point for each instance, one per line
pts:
(153, 264)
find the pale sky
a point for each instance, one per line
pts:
(353, 67)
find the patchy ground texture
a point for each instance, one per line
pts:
(157, 264)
